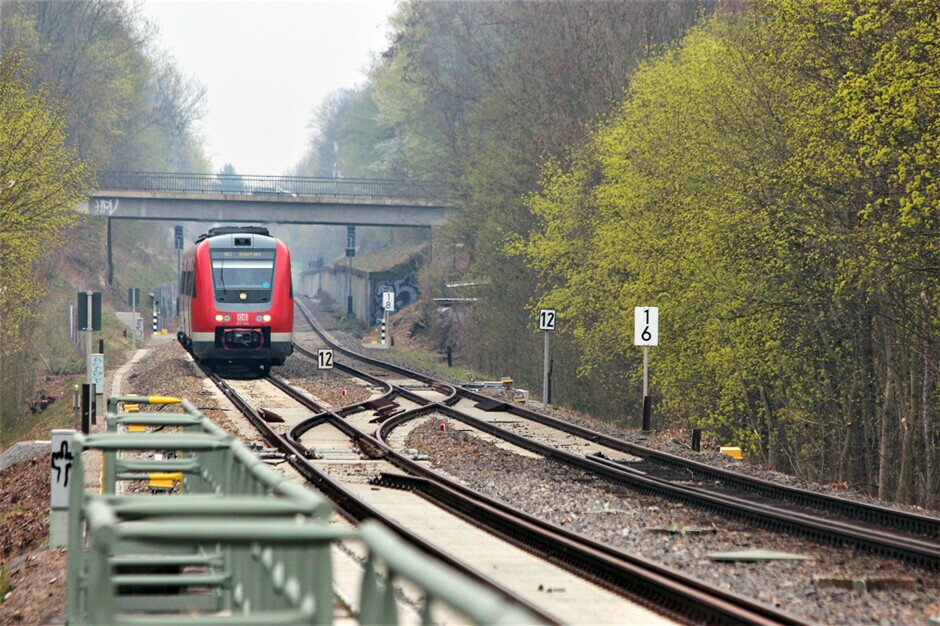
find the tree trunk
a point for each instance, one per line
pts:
(886, 423)
(771, 441)
(908, 407)
(865, 461)
(926, 423)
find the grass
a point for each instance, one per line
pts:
(142, 258)
(433, 361)
(353, 326)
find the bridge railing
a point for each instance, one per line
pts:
(272, 186)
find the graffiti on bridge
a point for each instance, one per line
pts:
(104, 206)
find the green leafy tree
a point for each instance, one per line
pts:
(769, 185)
(127, 108)
(41, 183)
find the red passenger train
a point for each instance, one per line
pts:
(236, 298)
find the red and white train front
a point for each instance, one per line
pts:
(236, 298)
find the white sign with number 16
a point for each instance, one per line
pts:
(646, 326)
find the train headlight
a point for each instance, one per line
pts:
(264, 318)
(218, 318)
(223, 318)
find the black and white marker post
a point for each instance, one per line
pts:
(388, 305)
(547, 318)
(646, 334)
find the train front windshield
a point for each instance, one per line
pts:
(234, 275)
(242, 274)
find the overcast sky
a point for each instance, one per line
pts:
(267, 66)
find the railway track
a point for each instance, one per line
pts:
(373, 429)
(880, 530)
(661, 586)
(348, 504)
(350, 500)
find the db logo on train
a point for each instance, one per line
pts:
(242, 318)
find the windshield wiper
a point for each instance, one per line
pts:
(222, 278)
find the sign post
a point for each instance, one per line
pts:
(89, 400)
(388, 305)
(547, 318)
(178, 244)
(156, 308)
(350, 253)
(89, 320)
(646, 334)
(61, 472)
(133, 297)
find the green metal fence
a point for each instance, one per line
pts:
(242, 545)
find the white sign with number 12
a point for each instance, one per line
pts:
(547, 319)
(646, 326)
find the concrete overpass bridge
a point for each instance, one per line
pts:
(265, 200)
(268, 199)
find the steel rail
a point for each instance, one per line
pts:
(452, 392)
(911, 549)
(350, 507)
(893, 518)
(660, 586)
(873, 514)
(918, 552)
(656, 586)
